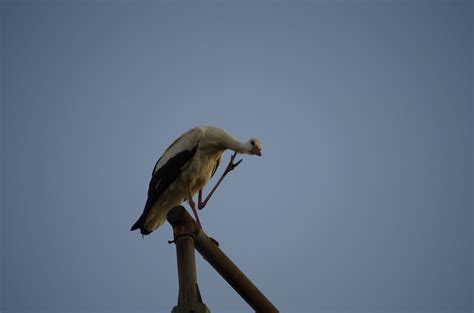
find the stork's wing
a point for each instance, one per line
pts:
(167, 174)
(214, 170)
(185, 142)
(175, 159)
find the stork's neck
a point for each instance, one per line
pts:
(228, 142)
(236, 146)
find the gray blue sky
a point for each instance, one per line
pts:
(361, 202)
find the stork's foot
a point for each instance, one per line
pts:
(231, 166)
(197, 226)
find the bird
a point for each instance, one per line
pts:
(185, 168)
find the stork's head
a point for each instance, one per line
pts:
(254, 147)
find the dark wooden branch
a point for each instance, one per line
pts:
(189, 298)
(184, 225)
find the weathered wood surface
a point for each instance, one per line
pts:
(184, 226)
(186, 269)
(189, 298)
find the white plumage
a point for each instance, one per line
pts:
(184, 169)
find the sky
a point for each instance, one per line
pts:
(361, 202)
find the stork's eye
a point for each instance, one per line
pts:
(252, 142)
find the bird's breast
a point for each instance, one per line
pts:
(201, 169)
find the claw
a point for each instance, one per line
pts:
(232, 165)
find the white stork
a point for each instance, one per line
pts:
(185, 168)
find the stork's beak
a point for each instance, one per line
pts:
(256, 151)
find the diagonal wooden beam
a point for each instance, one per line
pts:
(184, 225)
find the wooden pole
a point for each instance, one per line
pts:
(186, 269)
(183, 224)
(189, 298)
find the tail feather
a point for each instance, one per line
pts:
(139, 225)
(136, 225)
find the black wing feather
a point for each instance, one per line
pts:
(161, 180)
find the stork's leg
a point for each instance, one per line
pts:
(199, 205)
(192, 204)
(200, 199)
(230, 167)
